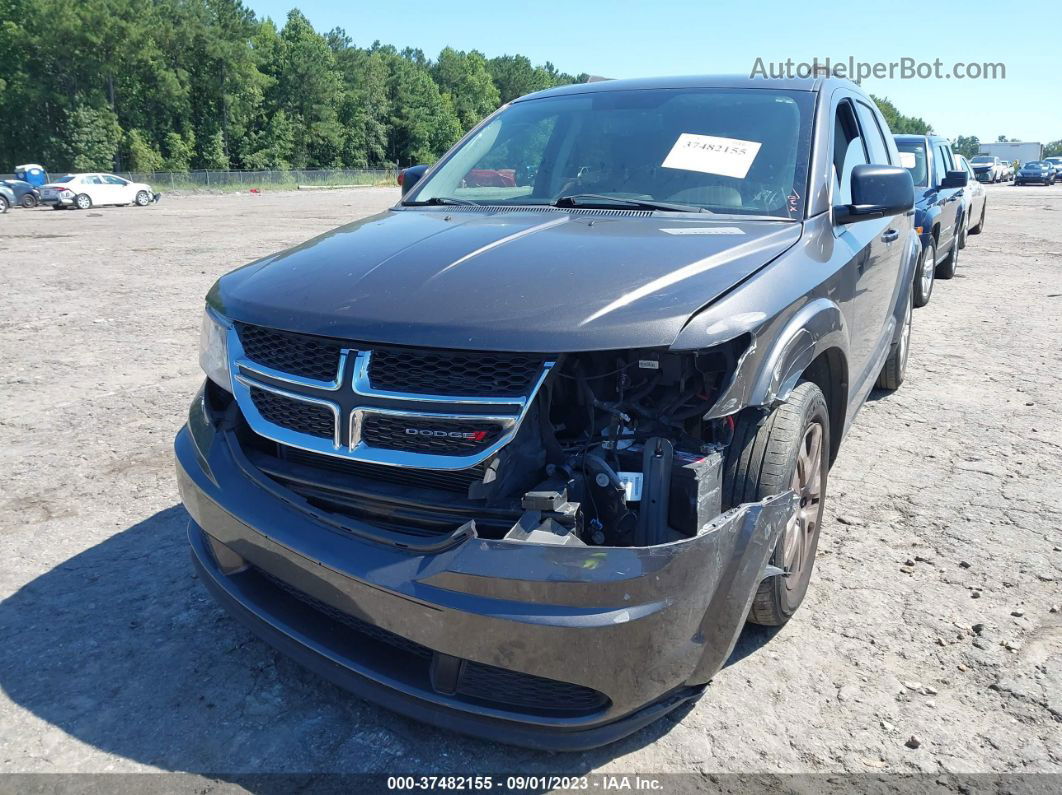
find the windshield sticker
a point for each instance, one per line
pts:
(728, 157)
(907, 159)
(703, 230)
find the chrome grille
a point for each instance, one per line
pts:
(423, 409)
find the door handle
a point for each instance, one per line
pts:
(889, 235)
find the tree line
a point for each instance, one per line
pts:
(174, 85)
(152, 85)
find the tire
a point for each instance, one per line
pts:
(28, 201)
(963, 232)
(763, 460)
(976, 230)
(4, 204)
(924, 275)
(946, 269)
(83, 201)
(895, 368)
(142, 198)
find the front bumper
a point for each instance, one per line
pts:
(620, 635)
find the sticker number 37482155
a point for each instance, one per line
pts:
(728, 157)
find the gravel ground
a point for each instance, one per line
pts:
(933, 613)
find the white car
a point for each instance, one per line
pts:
(82, 191)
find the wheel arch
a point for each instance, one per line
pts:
(812, 346)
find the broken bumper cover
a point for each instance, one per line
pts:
(543, 646)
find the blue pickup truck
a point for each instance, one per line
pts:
(939, 216)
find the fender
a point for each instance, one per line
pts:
(766, 377)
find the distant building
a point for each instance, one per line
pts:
(1022, 151)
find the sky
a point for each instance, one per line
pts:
(623, 38)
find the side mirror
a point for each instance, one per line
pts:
(877, 192)
(955, 179)
(408, 177)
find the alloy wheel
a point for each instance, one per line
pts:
(807, 485)
(929, 264)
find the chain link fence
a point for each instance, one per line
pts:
(233, 180)
(237, 180)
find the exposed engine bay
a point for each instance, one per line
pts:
(616, 451)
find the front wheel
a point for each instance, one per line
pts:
(786, 450)
(142, 198)
(28, 201)
(923, 285)
(83, 201)
(981, 223)
(3, 205)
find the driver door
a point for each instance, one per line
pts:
(121, 190)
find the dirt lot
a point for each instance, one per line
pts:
(933, 612)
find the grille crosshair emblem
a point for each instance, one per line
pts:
(369, 402)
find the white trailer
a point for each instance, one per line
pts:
(1022, 151)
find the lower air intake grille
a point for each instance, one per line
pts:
(422, 435)
(516, 689)
(297, 415)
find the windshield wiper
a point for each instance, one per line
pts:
(589, 199)
(440, 200)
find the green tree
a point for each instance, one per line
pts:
(465, 78)
(898, 123)
(140, 154)
(92, 137)
(424, 123)
(272, 147)
(213, 154)
(967, 145)
(309, 88)
(179, 151)
(1053, 149)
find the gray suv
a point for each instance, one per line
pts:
(521, 455)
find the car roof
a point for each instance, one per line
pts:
(696, 81)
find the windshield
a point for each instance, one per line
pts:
(67, 178)
(1054, 160)
(1035, 164)
(726, 150)
(982, 159)
(913, 158)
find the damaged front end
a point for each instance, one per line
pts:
(583, 576)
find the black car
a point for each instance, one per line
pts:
(1035, 171)
(26, 195)
(521, 455)
(939, 218)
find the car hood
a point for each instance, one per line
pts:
(542, 281)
